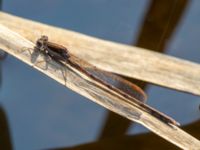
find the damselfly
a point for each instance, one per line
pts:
(123, 87)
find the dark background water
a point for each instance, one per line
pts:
(43, 114)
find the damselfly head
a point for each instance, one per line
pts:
(41, 43)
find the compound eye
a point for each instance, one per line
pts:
(44, 38)
(39, 44)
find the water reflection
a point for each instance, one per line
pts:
(5, 138)
(145, 141)
(129, 142)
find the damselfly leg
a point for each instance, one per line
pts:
(45, 62)
(25, 50)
